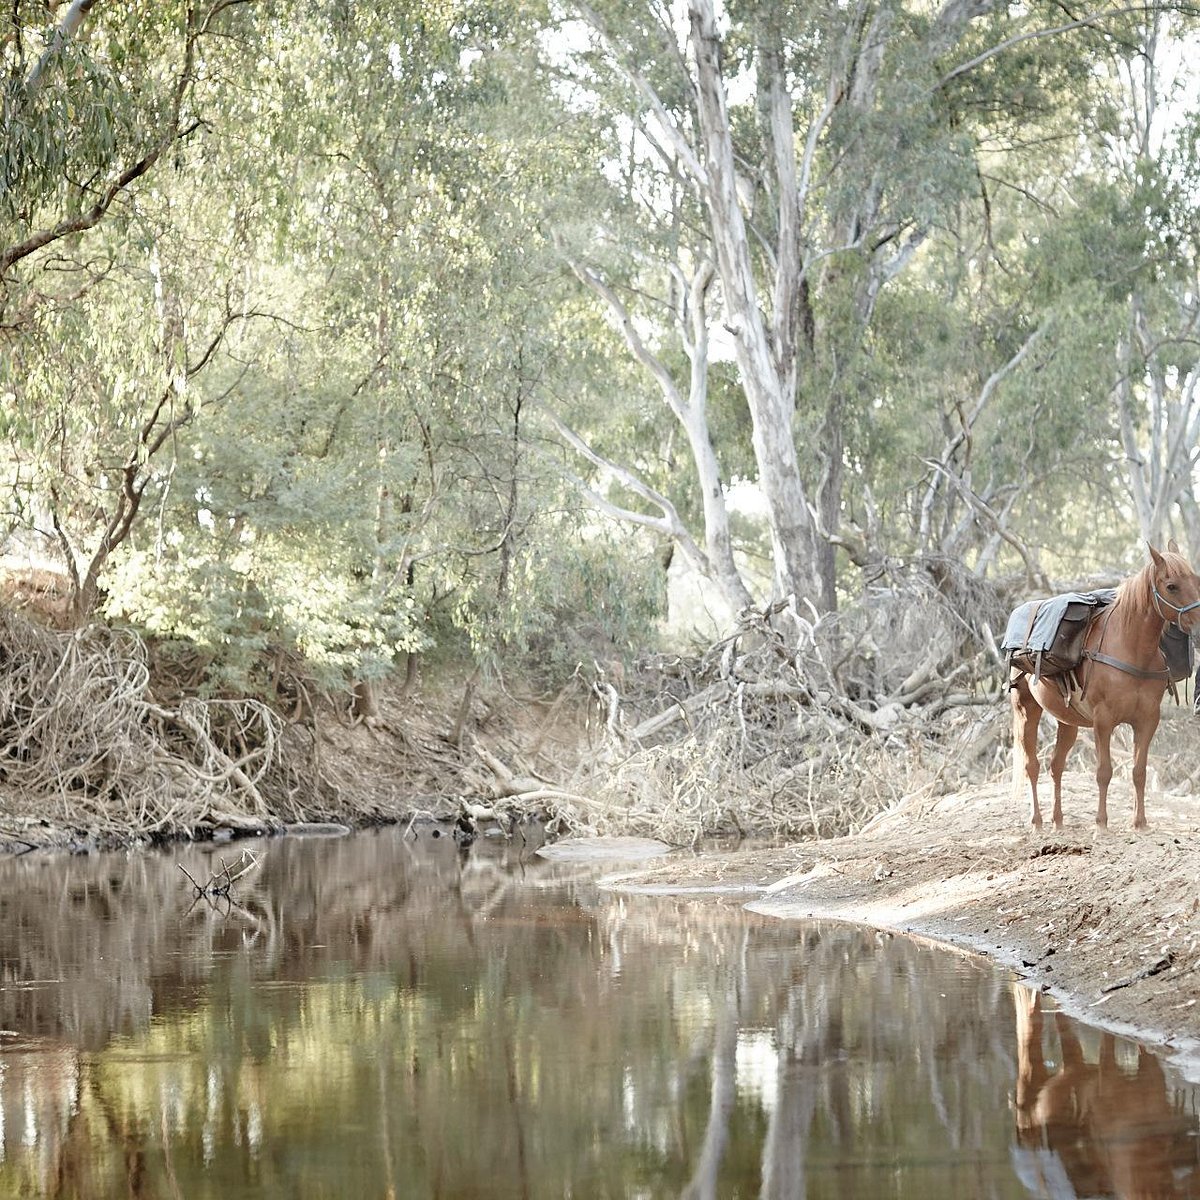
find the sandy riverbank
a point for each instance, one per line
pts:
(1107, 921)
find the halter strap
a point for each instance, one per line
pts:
(1160, 600)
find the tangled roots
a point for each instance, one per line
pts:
(83, 743)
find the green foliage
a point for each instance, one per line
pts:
(357, 482)
(97, 102)
(578, 595)
(238, 610)
(314, 338)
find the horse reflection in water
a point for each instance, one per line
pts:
(1093, 1129)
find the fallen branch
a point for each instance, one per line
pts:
(557, 794)
(1155, 968)
(222, 768)
(680, 709)
(220, 882)
(508, 783)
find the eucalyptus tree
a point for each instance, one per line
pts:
(104, 328)
(1092, 255)
(829, 148)
(436, 174)
(1149, 179)
(368, 486)
(662, 311)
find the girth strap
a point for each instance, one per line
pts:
(1129, 669)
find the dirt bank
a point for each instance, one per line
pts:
(1108, 922)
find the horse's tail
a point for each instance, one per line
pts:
(1018, 755)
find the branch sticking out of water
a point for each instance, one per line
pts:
(220, 882)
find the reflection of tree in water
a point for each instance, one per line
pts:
(378, 1015)
(122, 938)
(870, 1061)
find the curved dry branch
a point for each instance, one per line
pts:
(81, 737)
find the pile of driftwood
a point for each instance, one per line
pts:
(789, 726)
(794, 725)
(84, 746)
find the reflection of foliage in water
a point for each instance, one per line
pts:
(377, 1017)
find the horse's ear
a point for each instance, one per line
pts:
(1156, 558)
(1173, 546)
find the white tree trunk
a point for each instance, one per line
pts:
(769, 391)
(691, 315)
(1158, 432)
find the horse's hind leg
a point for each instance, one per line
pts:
(1027, 712)
(1063, 742)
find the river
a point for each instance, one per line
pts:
(393, 1016)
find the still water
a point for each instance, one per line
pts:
(381, 1016)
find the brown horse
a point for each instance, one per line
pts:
(1121, 681)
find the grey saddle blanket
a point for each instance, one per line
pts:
(1032, 633)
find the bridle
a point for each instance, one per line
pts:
(1160, 599)
(1129, 669)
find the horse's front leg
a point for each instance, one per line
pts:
(1103, 770)
(1143, 735)
(1062, 748)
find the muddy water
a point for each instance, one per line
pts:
(378, 1017)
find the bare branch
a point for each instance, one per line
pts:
(678, 142)
(967, 424)
(633, 339)
(668, 523)
(1053, 31)
(1036, 576)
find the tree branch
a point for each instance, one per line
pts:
(669, 523)
(621, 60)
(172, 134)
(966, 425)
(637, 347)
(1053, 31)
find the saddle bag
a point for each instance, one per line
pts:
(1045, 637)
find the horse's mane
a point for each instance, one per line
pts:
(1138, 590)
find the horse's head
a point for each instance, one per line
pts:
(1175, 587)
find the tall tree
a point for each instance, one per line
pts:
(1148, 138)
(371, 489)
(828, 147)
